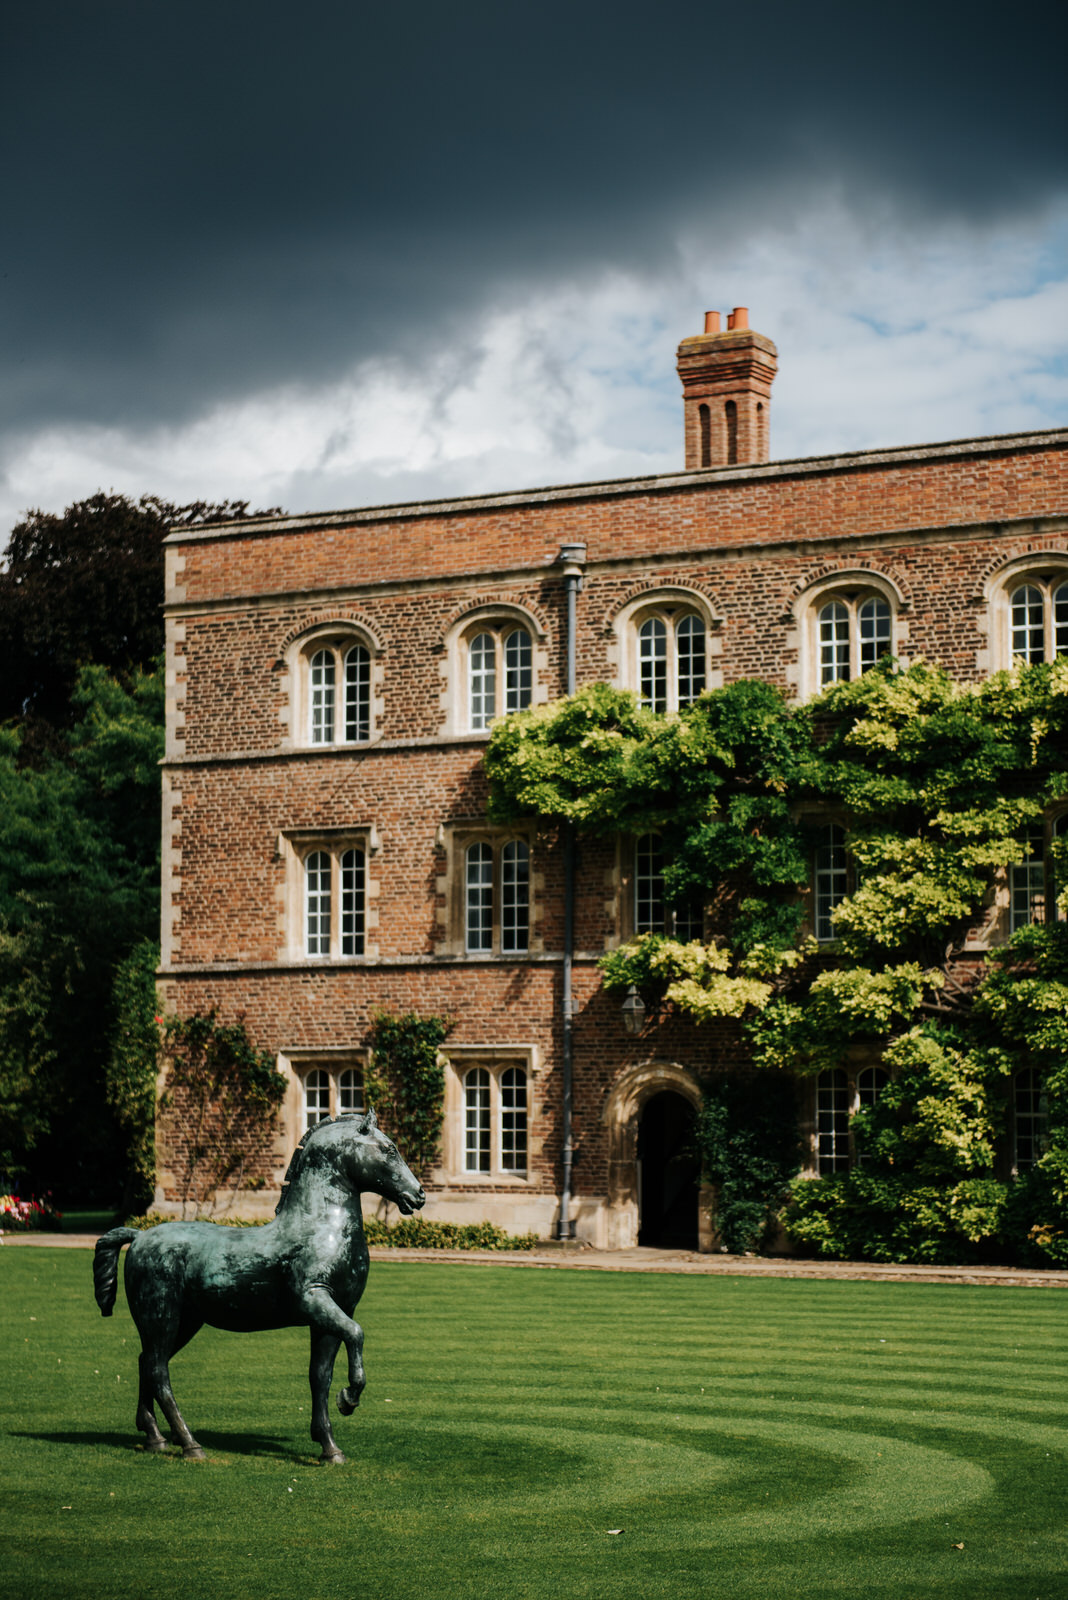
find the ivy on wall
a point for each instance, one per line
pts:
(406, 1083)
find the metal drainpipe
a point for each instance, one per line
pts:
(573, 557)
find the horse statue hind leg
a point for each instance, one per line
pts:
(163, 1328)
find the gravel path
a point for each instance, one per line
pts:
(641, 1259)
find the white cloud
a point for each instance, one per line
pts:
(883, 339)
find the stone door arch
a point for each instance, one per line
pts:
(628, 1098)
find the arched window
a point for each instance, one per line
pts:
(831, 877)
(495, 1120)
(514, 1120)
(335, 902)
(1038, 620)
(704, 423)
(832, 1121)
(500, 673)
(853, 636)
(477, 1120)
(685, 920)
(871, 1081)
(1030, 1119)
(330, 1089)
(672, 649)
(731, 417)
(316, 1097)
(338, 675)
(497, 897)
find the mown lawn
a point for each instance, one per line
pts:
(753, 1440)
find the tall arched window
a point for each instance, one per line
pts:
(852, 637)
(1029, 1119)
(704, 423)
(348, 666)
(832, 1121)
(731, 417)
(672, 652)
(477, 1120)
(1038, 613)
(479, 884)
(685, 920)
(514, 1120)
(316, 1097)
(335, 902)
(500, 674)
(497, 897)
(831, 877)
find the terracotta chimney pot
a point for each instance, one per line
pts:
(711, 321)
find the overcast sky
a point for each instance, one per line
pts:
(336, 254)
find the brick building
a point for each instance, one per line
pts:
(332, 679)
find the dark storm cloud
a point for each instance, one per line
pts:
(203, 200)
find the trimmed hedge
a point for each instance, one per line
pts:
(410, 1233)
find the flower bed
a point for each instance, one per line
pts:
(23, 1214)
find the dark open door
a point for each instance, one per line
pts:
(669, 1173)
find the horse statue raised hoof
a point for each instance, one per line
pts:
(307, 1267)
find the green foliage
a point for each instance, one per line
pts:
(406, 1083)
(747, 1138)
(868, 1216)
(79, 888)
(224, 1095)
(132, 1067)
(420, 1233)
(935, 785)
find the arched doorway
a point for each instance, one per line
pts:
(669, 1173)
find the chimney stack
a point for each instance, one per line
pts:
(726, 392)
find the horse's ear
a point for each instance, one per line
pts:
(370, 1122)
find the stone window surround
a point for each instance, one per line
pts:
(454, 839)
(1046, 569)
(338, 635)
(292, 848)
(496, 1059)
(851, 586)
(497, 617)
(295, 1062)
(670, 602)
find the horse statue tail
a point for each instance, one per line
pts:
(106, 1267)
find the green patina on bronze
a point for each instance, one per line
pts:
(307, 1267)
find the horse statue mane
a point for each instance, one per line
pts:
(368, 1122)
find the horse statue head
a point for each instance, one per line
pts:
(353, 1153)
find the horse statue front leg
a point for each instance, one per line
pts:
(330, 1328)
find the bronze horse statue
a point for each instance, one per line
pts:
(307, 1267)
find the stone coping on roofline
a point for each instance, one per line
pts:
(656, 483)
(552, 1256)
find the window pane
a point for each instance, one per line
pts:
(689, 920)
(652, 664)
(832, 1121)
(358, 693)
(834, 643)
(1028, 643)
(515, 895)
(322, 697)
(350, 1092)
(830, 878)
(477, 1120)
(518, 670)
(353, 902)
(482, 680)
(1060, 621)
(690, 645)
(316, 1098)
(1027, 883)
(317, 903)
(649, 884)
(1029, 1119)
(873, 622)
(870, 1084)
(514, 1120)
(479, 906)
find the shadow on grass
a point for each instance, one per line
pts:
(236, 1444)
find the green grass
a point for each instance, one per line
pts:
(754, 1439)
